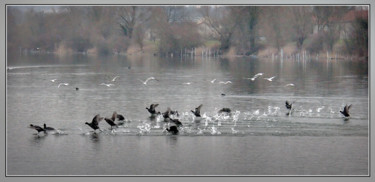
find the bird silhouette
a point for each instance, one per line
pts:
(197, 111)
(173, 130)
(95, 122)
(345, 112)
(37, 128)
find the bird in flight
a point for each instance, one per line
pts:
(114, 79)
(107, 84)
(148, 79)
(66, 84)
(270, 79)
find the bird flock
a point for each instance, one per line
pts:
(169, 116)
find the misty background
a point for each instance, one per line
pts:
(262, 31)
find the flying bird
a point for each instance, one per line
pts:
(289, 85)
(148, 79)
(45, 127)
(108, 85)
(151, 110)
(114, 79)
(111, 122)
(95, 122)
(66, 84)
(255, 76)
(345, 112)
(222, 82)
(37, 128)
(270, 79)
(288, 105)
(197, 111)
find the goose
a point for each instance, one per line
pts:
(95, 122)
(345, 112)
(197, 111)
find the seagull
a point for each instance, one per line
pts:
(148, 79)
(66, 84)
(95, 122)
(270, 79)
(222, 82)
(345, 112)
(187, 83)
(197, 111)
(114, 79)
(289, 85)
(53, 80)
(47, 128)
(255, 76)
(107, 84)
(213, 81)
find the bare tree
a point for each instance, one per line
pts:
(300, 19)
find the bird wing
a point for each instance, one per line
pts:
(114, 116)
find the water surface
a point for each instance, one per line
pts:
(258, 138)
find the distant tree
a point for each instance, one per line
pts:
(301, 22)
(357, 43)
(223, 21)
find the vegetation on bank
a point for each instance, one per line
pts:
(263, 31)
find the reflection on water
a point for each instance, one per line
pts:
(319, 90)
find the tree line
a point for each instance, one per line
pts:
(171, 29)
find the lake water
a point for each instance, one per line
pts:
(258, 138)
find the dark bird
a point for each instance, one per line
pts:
(77, 88)
(117, 116)
(226, 110)
(288, 105)
(37, 128)
(222, 94)
(120, 117)
(197, 111)
(95, 122)
(45, 127)
(152, 108)
(173, 130)
(345, 112)
(110, 122)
